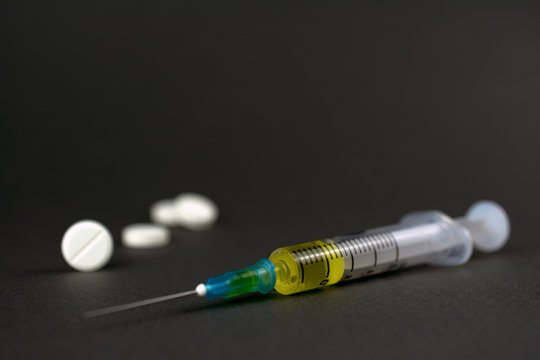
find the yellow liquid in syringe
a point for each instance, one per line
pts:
(307, 266)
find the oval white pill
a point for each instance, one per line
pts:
(195, 211)
(87, 246)
(145, 236)
(162, 212)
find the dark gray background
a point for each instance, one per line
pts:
(300, 121)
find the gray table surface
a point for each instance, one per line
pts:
(301, 121)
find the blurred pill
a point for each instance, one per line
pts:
(87, 246)
(145, 236)
(163, 212)
(195, 212)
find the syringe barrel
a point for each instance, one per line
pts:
(428, 237)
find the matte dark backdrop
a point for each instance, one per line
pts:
(300, 120)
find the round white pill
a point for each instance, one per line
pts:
(145, 236)
(162, 212)
(87, 246)
(195, 211)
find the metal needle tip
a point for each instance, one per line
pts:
(136, 304)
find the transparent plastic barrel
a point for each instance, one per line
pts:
(428, 237)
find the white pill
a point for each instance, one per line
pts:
(162, 212)
(145, 236)
(195, 211)
(87, 246)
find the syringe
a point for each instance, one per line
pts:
(428, 237)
